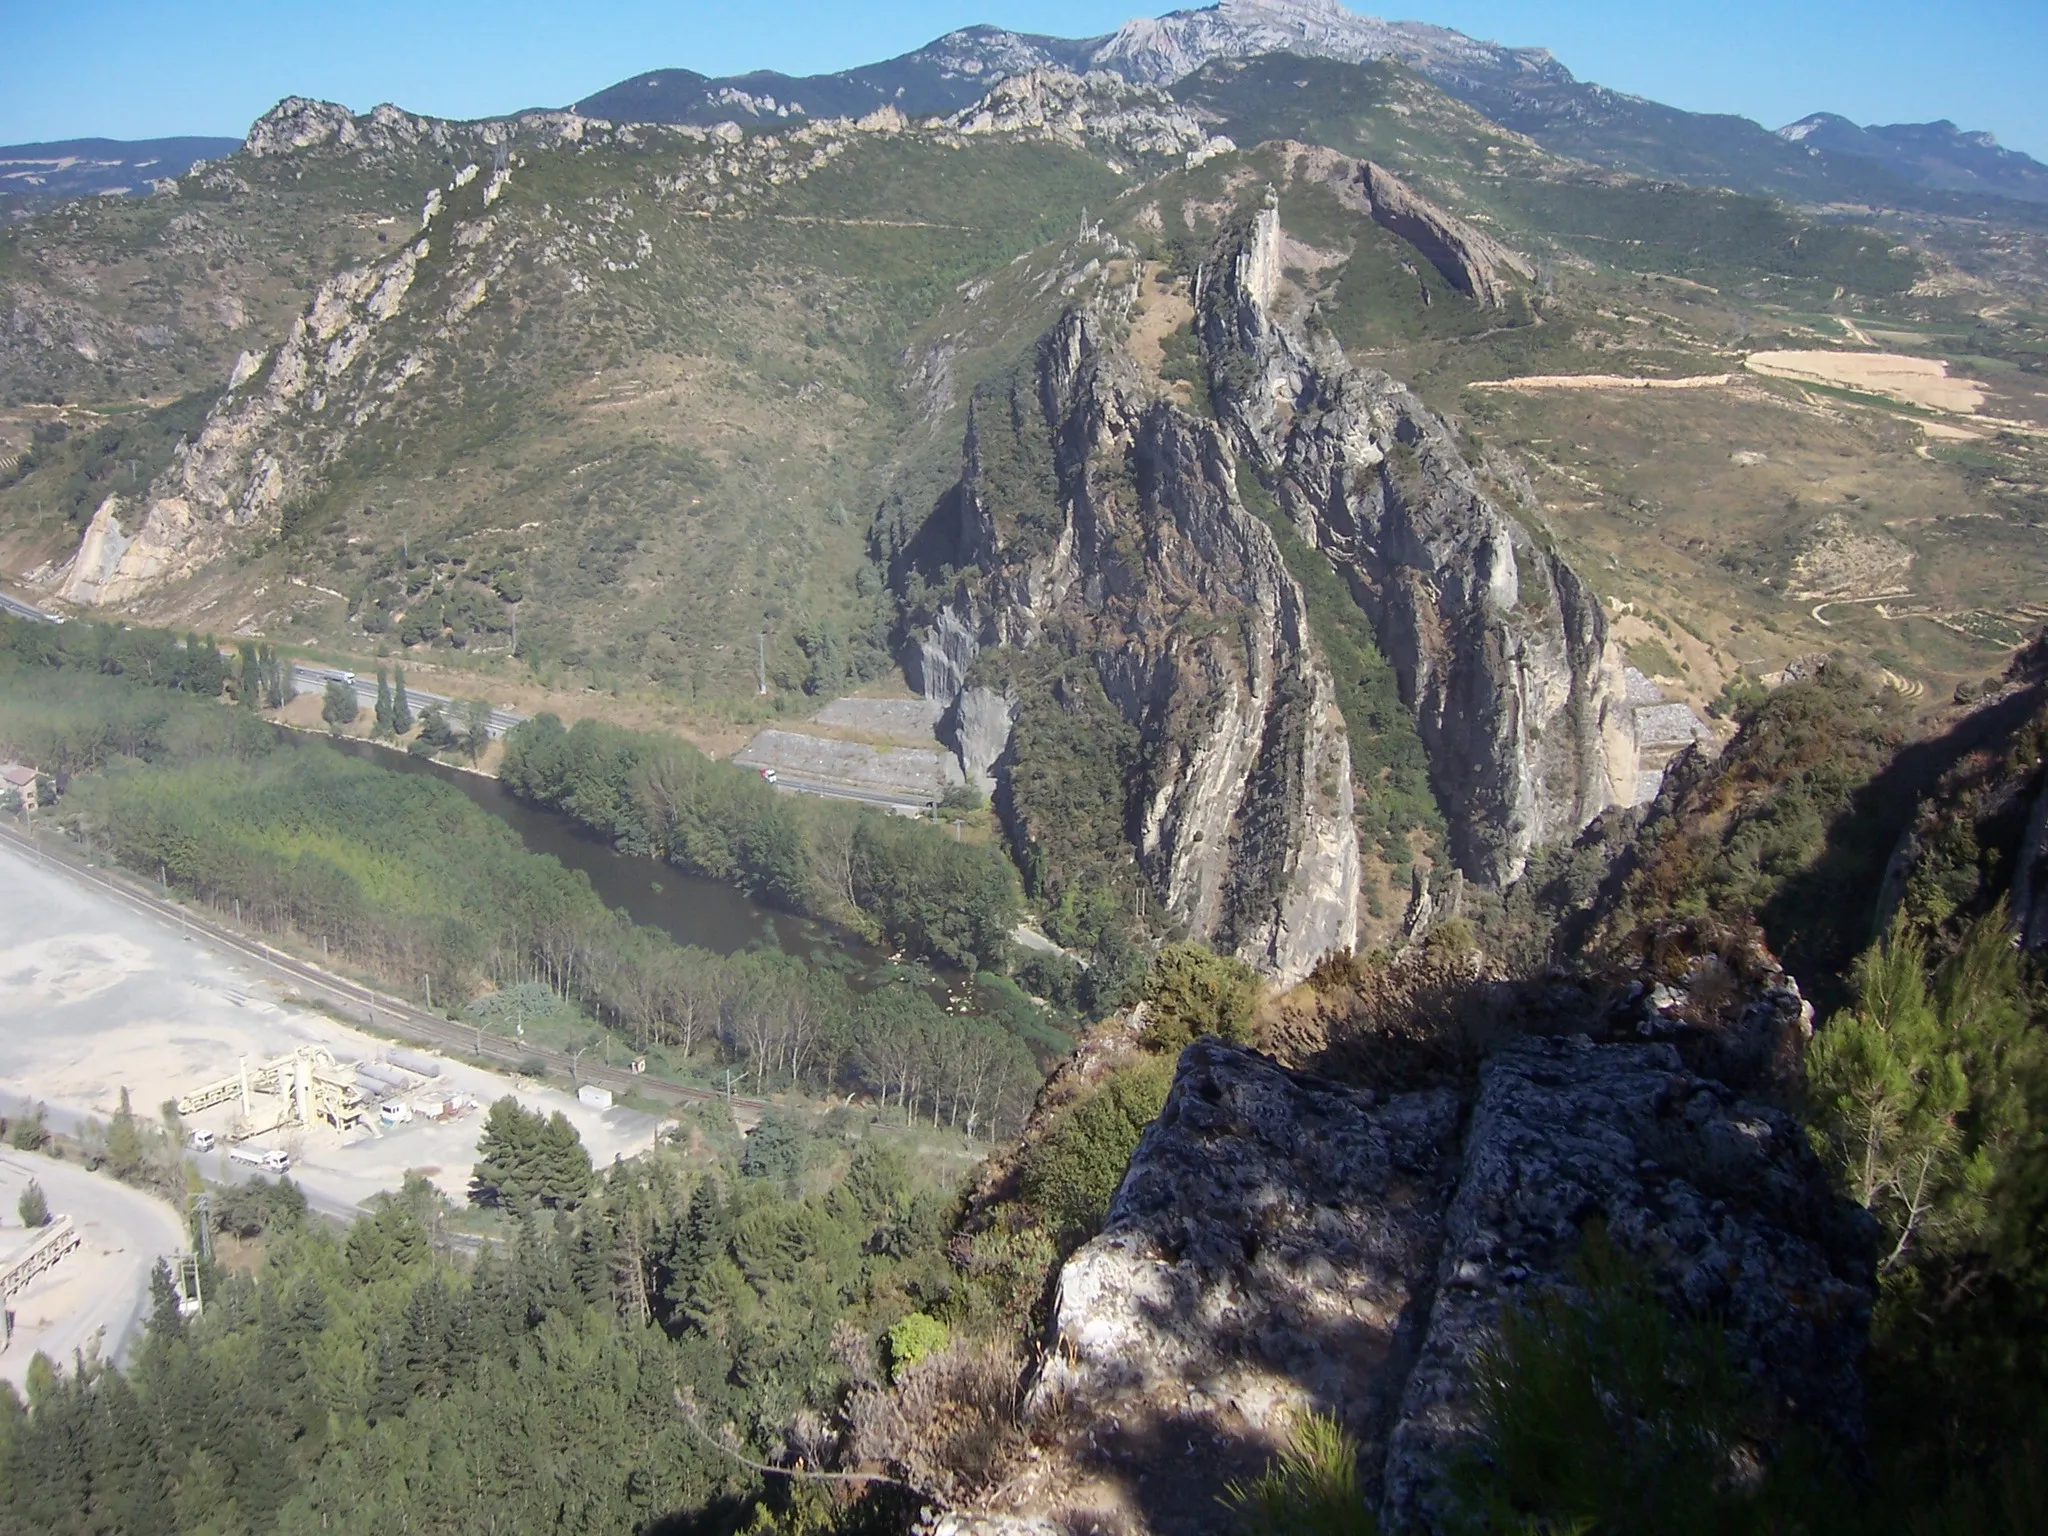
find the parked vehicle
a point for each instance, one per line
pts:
(267, 1159)
(394, 1112)
(202, 1141)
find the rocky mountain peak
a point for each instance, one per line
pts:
(298, 122)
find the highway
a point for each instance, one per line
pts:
(23, 610)
(383, 1013)
(311, 679)
(917, 805)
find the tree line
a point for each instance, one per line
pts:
(365, 1380)
(905, 881)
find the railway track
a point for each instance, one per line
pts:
(380, 1011)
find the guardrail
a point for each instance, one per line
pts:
(59, 1238)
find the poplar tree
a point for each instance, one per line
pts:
(401, 707)
(384, 702)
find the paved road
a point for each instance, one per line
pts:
(23, 610)
(919, 804)
(100, 1294)
(384, 1013)
(311, 679)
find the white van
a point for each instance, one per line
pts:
(202, 1141)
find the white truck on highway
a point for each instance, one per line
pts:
(261, 1157)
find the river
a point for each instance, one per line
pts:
(688, 908)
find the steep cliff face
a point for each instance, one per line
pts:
(1500, 651)
(1103, 523)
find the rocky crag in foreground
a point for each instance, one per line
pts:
(1282, 1243)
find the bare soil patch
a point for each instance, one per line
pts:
(1922, 381)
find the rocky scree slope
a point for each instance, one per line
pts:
(1101, 522)
(1500, 651)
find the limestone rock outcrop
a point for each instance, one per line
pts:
(1722, 1201)
(1271, 1250)
(286, 413)
(1500, 651)
(1280, 1241)
(1076, 109)
(1133, 550)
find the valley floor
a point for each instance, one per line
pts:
(95, 996)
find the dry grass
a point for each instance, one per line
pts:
(953, 1424)
(1922, 381)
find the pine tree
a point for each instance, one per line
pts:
(401, 707)
(566, 1163)
(698, 1246)
(383, 725)
(124, 1141)
(34, 1206)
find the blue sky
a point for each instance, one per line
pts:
(136, 70)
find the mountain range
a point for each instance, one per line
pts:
(1268, 464)
(1525, 89)
(33, 175)
(1820, 157)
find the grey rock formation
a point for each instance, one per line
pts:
(1147, 563)
(978, 729)
(1279, 1241)
(1097, 108)
(1723, 1202)
(1500, 651)
(1475, 263)
(1165, 48)
(1272, 1249)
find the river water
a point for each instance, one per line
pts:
(688, 908)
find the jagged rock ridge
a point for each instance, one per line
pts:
(1242, 812)
(1500, 651)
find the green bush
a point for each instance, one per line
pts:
(1193, 991)
(911, 1338)
(1311, 1488)
(34, 1206)
(1075, 1168)
(1601, 1410)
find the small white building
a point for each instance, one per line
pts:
(594, 1096)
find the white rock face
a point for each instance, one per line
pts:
(1245, 795)
(1501, 653)
(268, 438)
(99, 555)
